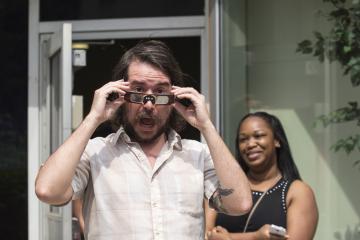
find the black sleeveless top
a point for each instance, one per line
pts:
(271, 210)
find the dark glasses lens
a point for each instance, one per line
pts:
(135, 98)
(141, 98)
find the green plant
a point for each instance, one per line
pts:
(340, 44)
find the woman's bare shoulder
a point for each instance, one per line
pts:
(299, 190)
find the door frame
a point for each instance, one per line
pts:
(119, 29)
(55, 126)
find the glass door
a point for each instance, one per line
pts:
(55, 117)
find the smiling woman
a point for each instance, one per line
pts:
(257, 143)
(280, 197)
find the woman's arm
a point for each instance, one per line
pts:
(220, 233)
(210, 216)
(302, 212)
(213, 232)
(77, 212)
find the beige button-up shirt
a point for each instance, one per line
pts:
(125, 198)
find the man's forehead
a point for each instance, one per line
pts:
(155, 82)
(145, 73)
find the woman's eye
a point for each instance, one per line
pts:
(259, 135)
(242, 140)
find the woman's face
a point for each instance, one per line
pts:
(257, 144)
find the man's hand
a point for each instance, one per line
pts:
(196, 114)
(101, 108)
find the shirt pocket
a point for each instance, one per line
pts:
(187, 191)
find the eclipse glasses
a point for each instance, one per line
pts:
(156, 99)
(141, 98)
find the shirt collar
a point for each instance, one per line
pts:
(174, 139)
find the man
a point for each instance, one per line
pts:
(144, 181)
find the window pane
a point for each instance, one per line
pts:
(234, 84)
(53, 10)
(263, 71)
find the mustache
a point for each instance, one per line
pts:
(145, 114)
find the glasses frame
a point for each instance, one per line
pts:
(149, 97)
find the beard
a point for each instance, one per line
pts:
(134, 136)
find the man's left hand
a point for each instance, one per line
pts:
(196, 114)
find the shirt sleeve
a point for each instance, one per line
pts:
(211, 181)
(81, 177)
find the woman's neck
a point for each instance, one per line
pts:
(263, 176)
(261, 181)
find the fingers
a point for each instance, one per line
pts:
(119, 87)
(218, 228)
(112, 91)
(278, 237)
(211, 235)
(218, 233)
(187, 93)
(102, 108)
(193, 99)
(196, 114)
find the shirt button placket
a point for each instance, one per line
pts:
(156, 210)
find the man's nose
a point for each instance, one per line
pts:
(149, 98)
(149, 103)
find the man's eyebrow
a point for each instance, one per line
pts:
(165, 84)
(140, 82)
(137, 82)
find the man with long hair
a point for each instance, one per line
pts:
(144, 181)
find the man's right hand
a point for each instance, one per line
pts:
(103, 109)
(53, 182)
